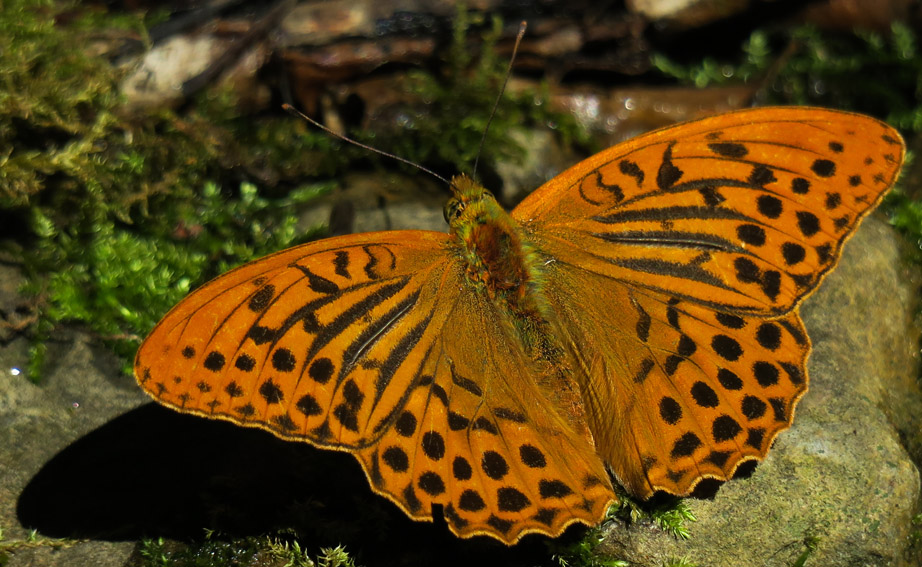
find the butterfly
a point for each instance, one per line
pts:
(634, 320)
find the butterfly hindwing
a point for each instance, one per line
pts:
(682, 392)
(480, 436)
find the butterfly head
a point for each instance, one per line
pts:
(470, 203)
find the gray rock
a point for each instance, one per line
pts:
(84, 389)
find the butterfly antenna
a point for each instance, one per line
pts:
(515, 49)
(294, 111)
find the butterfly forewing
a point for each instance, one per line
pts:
(297, 342)
(745, 211)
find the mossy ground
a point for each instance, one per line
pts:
(272, 551)
(114, 216)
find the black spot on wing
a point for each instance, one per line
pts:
(341, 264)
(316, 282)
(464, 383)
(728, 149)
(631, 168)
(260, 300)
(668, 174)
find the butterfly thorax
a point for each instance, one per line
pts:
(498, 260)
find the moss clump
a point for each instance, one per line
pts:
(670, 515)
(207, 553)
(115, 216)
(49, 101)
(446, 134)
(291, 553)
(215, 551)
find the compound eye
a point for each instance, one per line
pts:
(452, 210)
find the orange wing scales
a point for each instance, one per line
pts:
(707, 390)
(481, 450)
(726, 211)
(296, 372)
(698, 243)
(638, 311)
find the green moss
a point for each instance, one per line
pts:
(122, 281)
(291, 553)
(447, 132)
(671, 515)
(121, 214)
(211, 552)
(49, 93)
(8, 548)
(582, 553)
(217, 551)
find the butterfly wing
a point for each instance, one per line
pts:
(679, 392)
(691, 247)
(376, 345)
(745, 211)
(481, 436)
(283, 343)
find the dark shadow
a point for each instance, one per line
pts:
(707, 489)
(153, 472)
(746, 469)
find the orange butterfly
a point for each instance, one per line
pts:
(637, 314)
